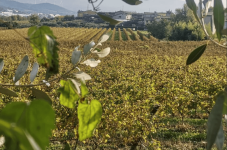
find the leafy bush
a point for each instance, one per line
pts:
(183, 31)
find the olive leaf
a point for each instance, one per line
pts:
(191, 4)
(34, 71)
(76, 56)
(215, 119)
(196, 54)
(109, 19)
(8, 92)
(218, 17)
(88, 47)
(132, 2)
(41, 95)
(1, 64)
(21, 69)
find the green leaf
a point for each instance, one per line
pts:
(196, 54)
(218, 17)
(191, 4)
(45, 48)
(215, 119)
(225, 107)
(15, 137)
(34, 71)
(37, 118)
(88, 47)
(99, 50)
(8, 92)
(108, 19)
(21, 69)
(1, 64)
(133, 2)
(67, 147)
(220, 138)
(41, 95)
(89, 116)
(84, 89)
(68, 95)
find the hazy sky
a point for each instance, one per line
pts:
(116, 5)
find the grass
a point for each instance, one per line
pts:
(116, 36)
(175, 134)
(124, 38)
(130, 35)
(22, 22)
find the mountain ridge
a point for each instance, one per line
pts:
(45, 8)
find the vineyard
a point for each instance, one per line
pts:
(148, 95)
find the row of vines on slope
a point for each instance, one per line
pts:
(126, 34)
(113, 34)
(134, 35)
(119, 34)
(143, 37)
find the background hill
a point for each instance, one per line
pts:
(45, 8)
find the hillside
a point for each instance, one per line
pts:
(45, 8)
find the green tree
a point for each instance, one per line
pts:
(184, 14)
(159, 29)
(186, 32)
(34, 20)
(44, 19)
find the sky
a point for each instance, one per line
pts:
(116, 5)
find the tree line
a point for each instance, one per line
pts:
(181, 26)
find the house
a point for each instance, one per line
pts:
(137, 16)
(88, 12)
(154, 16)
(149, 17)
(210, 19)
(122, 16)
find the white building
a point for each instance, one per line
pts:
(122, 16)
(51, 16)
(7, 14)
(210, 19)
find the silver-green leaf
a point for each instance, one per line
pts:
(21, 69)
(219, 17)
(76, 56)
(220, 138)
(109, 19)
(34, 71)
(191, 4)
(41, 95)
(133, 2)
(214, 120)
(8, 92)
(88, 47)
(1, 64)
